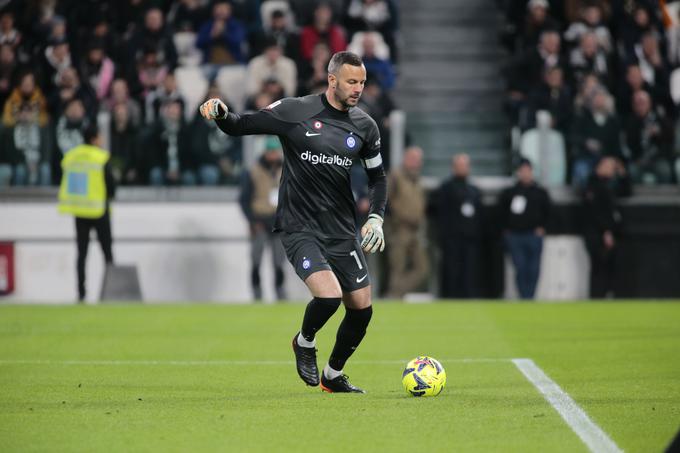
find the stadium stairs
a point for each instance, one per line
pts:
(450, 85)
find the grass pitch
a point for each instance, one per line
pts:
(221, 378)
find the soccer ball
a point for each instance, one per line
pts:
(424, 376)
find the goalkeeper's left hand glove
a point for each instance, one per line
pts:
(214, 109)
(373, 238)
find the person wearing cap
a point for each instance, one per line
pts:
(258, 200)
(87, 186)
(524, 212)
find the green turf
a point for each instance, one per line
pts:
(619, 361)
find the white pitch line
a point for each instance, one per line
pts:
(224, 362)
(586, 429)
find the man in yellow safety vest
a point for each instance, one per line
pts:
(87, 185)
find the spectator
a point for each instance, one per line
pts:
(537, 22)
(554, 97)
(120, 94)
(98, 70)
(172, 161)
(187, 15)
(273, 91)
(632, 27)
(25, 93)
(596, 133)
(154, 35)
(221, 39)
(408, 263)
(8, 33)
(69, 87)
(124, 139)
(456, 206)
(378, 105)
(590, 22)
(322, 29)
(272, 65)
(524, 210)
(258, 200)
(150, 72)
(315, 71)
(653, 67)
(164, 93)
(8, 71)
(588, 58)
(57, 58)
(219, 154)
(373, 15)
(603, 222)
(27, 147)
(88, 200)
(69, 127)
(586, 90)
(650, 141)
(380, 69)
(526, 70)
(281, 30)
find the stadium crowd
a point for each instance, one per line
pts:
(607, 72)
(139, 68)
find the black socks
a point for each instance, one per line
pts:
(350, 333)
(318, 311)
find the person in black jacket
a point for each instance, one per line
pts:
(524, 210)
(457, 209)
(603, 223)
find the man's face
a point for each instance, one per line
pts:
(349, 84)
(413, 160)
(173, 111)
(525, 174)
(551, 42)
(75, 111)
(641, 104)
(634, 77)
(154, 19)
(273, 53)
(461, 166)
(6, 55)
(589, 44)
(222, 11)
(606, 168)
(27, 85)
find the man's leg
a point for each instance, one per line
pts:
(257, 242)
(352, 329)
(103, 228)
(278, 257)
(82, 240)
(325, 288)
(534, 265)
(397, 259)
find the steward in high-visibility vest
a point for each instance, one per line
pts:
(83, 185)
(86, 186)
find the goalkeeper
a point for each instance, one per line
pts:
(321, 136)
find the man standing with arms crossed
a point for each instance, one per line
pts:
(321, 135)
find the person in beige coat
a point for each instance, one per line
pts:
(272, 64)
(408, 264)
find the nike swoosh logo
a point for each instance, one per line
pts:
(359, 280)
(311, 134)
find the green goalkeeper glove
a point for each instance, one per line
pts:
(373, 238)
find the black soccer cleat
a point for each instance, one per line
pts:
(340, 384)
(305, 360)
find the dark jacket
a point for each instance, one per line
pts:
(456, 206)
(524, 208)
(600, 210)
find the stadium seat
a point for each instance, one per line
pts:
(231, 81)
(382, 50)
(270, 6)
(193, 86)
(187, 52)
(546, 150)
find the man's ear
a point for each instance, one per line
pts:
(332, 80)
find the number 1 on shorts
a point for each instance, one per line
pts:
(356, 258)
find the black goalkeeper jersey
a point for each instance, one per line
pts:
(320, 144)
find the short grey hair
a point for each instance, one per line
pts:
(342, 58)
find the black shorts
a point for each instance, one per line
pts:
(308, 254)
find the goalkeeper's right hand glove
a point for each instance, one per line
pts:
(213, 109)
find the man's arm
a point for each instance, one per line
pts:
(262, 122)
(372, 233)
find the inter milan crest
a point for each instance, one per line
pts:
(351, 142)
